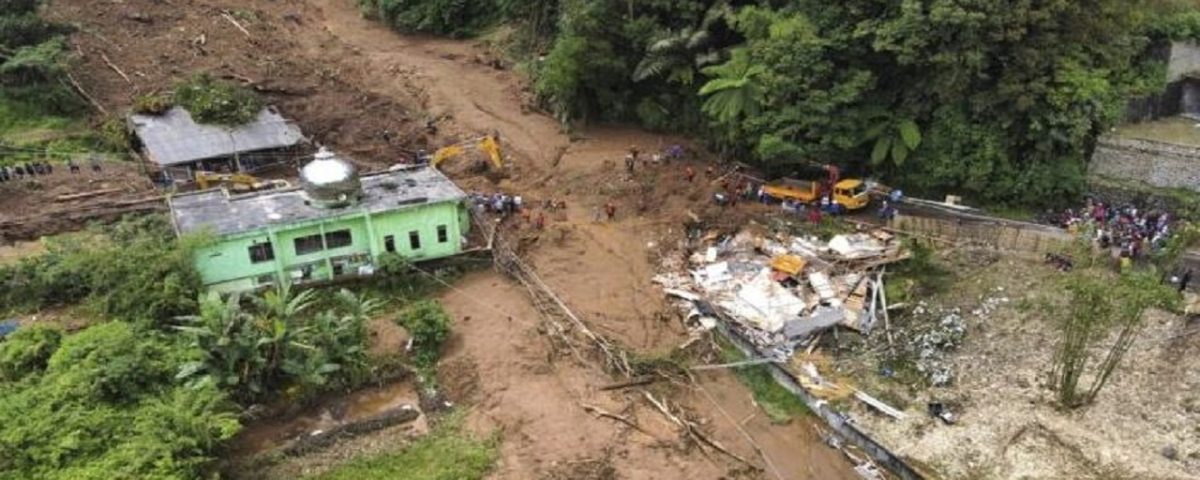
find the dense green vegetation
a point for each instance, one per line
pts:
(281, 343)
(133, 270)
(1001, 102)
(429, 326)
(37, 109)
(102, 404)
(153, 385)
(446, 453)
(211, 100)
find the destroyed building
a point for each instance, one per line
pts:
(174, 146)
(335, 225)
(781, 290)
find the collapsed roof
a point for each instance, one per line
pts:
(174, 138)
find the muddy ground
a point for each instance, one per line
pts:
(346, 81)
(1143, 424)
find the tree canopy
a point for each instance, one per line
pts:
(999, 101)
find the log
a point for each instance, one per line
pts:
(77, 196)
(82, 92)
(601, 413)
(236, 24)
(644, 380)
(115, 68)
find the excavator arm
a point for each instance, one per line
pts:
(489, 145)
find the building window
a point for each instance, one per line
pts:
(389, 244)
(414, 240)
(308, 244)
(261, 252)
(338, 239)
(443, 236)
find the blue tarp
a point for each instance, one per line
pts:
(7, 327)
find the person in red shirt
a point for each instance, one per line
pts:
(814, 215)
(610, 210)
(689, 174)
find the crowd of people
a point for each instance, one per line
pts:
(1129, 231)
(39, 168)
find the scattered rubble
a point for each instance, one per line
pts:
(780, 290)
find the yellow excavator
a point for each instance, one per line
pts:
(238, 182)
(488, 144)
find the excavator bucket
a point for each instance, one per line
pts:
(491, 146)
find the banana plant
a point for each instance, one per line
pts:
(894, 138)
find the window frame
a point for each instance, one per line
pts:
(265, 249)
(339, 239)
(414, 240)
(443, 234)
(304, 241)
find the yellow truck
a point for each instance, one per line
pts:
(851, 194)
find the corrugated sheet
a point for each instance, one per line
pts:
(174, 138)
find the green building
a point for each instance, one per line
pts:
(335, 224)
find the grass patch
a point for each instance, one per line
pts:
(446, 453)
(779, 404)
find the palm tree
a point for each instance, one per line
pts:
(734, 90)
(678, 55)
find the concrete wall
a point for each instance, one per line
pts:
(1152, 163)
(1184, 59)
(226, 264)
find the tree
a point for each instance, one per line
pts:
(1096, 306)
(734, 91)
(429, 326)
(279, 343)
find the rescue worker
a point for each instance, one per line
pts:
(610, 210)
(689, 174)
(629, 162)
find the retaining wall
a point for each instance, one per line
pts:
(1154, 163)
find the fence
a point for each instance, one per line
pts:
(1014, 237)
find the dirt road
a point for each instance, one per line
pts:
(359, 87)
(602, 270)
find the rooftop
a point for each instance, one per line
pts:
(174, 137)
(223, 214)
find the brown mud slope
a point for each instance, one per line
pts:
(346, 80)
(44, 204)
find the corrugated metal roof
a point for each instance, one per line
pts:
(174, 138)
(221, 214)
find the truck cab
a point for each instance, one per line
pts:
(851, 194)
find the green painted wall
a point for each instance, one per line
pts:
(226, 265)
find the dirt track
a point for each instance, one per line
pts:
(346, 80)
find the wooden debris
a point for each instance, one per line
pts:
(693, 430)
(82, 195)
(84, 94)
(115, 68)
(235, 23)
(637, 382)
(602, 413)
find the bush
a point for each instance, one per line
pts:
(114, 135)
(152, 104)
(107, 407)
(132, 270)
(456, 18)
(210, 100)
(429, 326)
(27, 350)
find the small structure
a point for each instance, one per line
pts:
(176, 146)
(335, 224)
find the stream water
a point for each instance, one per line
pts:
(264, 435)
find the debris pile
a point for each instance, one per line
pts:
(780, 290)
(942, 331)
